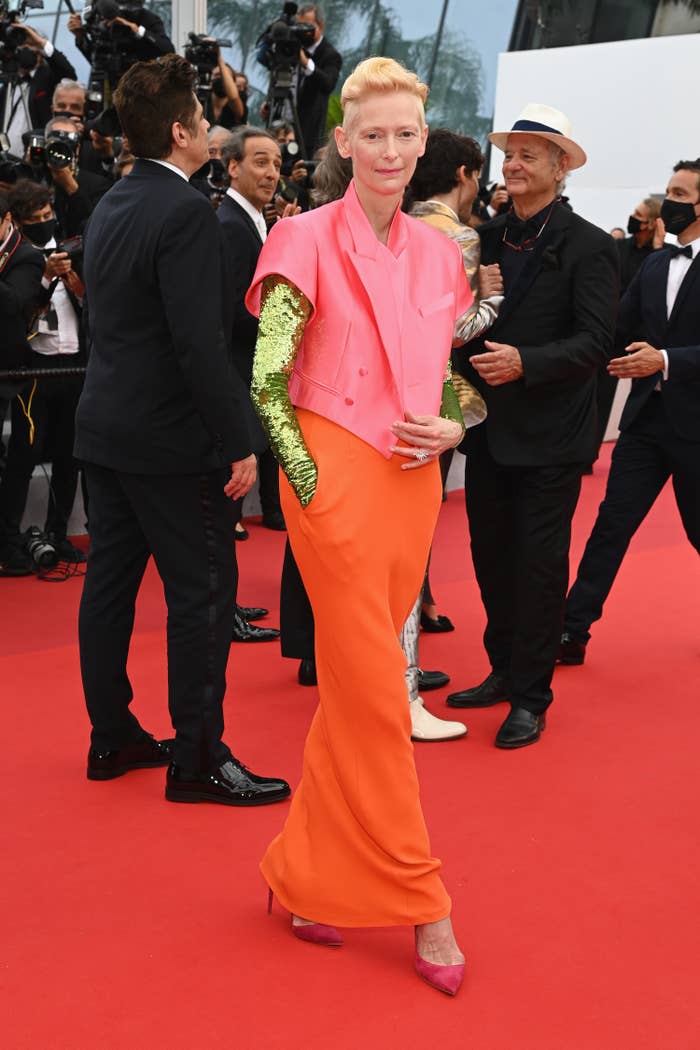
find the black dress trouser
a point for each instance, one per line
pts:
(645, 456)
(520, 528)
(186, 523)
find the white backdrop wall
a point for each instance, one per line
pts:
(632, 105)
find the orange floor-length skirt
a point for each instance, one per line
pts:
(354, 850)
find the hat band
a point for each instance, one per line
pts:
(534, 125)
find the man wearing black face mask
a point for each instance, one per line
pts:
(40, 68)
(50, 403)
(225, 107)
(661, 422)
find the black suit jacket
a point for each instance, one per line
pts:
(41, 87)
(161, 394)
(314, 92)
(242, 247)
(20, 290)
(74, 211)
(152, 44)
(643, 309)
(560, 314)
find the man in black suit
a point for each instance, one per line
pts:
(40, 68)
(138, 33)
(76, 192)
(536, 373)
(660, 425)
(252, 160)
(162, 421)
(319, 69)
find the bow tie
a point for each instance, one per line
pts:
(675, 251)
(518, 231)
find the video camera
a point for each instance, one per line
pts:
(280, 44)
(202, 52)
(12, 34)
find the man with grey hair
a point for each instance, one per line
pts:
(319, 69)
(536, 372)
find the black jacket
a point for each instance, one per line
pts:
(41, 87)
(74, 211)
(152, 44)
(560, 314)
(314, 92)
(242, 247)
(643, 309)
(20, 289)
(161, 395)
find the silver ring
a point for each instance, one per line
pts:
(422, 455)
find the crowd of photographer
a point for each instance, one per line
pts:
(61, 149)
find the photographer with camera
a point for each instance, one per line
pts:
(125, 27)
(224, 106)
(318, 75)
(21, 268)
(97, 150)
(76, 191)
(43, 413)
(32, 67)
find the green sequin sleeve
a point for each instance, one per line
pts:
(450, 407)
(284, 312)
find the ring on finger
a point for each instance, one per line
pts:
(421, 455)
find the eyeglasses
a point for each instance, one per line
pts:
(529, 243)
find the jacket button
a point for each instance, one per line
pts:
(363, 371)
(349, 401)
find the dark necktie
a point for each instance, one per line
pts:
(675, 251)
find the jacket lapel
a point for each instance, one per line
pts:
(366, 260)
(235, 208)
(684, 290)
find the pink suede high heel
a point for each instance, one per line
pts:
(314, 932)
(445, 978)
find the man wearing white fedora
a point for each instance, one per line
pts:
(536, 372)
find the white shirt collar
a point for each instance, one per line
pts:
(250, 210)
(310, 50)
(167, 164)
(9, 234)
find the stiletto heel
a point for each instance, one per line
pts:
(314, 932)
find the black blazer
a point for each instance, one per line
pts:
(74, 211)
(242, 246)
(643, 309)
(560, 314)
(161, 394)
(41, 87)
(314, 92)
(20, 290)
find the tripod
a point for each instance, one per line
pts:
(280, 95)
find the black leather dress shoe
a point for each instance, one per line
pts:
(307, 673)
(248, 632)
(428, 680)
(571, 651)
(275, 521)
(436, 624)
(493, 690)
(147, 753)
(241, 534)
(520, 728)
(252, 612)
(231, 785)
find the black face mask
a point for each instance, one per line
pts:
(39, 232)
(26, 59)
(634, 225)
(218, 88)
(677, 215)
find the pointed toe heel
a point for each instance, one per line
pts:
(314, 933)
(447, 979)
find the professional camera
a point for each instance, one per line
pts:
(280, 44)
(59, 150)
(291, 155)
(12, 35)
(37, 546)
(72, 246)
(202, 52)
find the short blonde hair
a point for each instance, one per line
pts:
(380, 76)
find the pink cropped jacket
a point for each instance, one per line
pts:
(379, 337)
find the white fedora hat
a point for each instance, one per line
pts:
(547, 123)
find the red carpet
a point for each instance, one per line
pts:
(133, 924)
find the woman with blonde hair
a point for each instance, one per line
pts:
(351, 380)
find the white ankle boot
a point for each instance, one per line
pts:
(427, 727)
